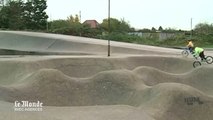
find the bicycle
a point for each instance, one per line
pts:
(185, 52)
(208, 60)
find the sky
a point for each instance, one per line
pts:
(175, 14)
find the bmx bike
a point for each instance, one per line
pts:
(208, 60)
(185, 52)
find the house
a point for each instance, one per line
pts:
(92, 23)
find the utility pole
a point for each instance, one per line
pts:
(191, 29)
(109, 27)
(47, 26)
(80, 16)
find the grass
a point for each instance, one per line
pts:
(180, 40)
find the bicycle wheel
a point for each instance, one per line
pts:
(209, 59)
(196, 64)
(185, 53)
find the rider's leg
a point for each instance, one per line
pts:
(202, 56)
(190, 49)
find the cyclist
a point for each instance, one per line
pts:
(197, 51)
(190, 45)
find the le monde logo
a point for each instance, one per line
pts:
(28, 106)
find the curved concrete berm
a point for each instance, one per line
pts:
(75, 80)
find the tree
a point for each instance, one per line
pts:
(124, 26)
(77, 19)
(116, 25)
(72, 19)
(144, 30)
(11, 15)
(170, 30)
(160, 29)
(153, 29)
(57, 24)
(35, 15)
(204, 28)
(15, 20)
(4, 17)
(28, 15)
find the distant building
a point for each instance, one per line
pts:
(92, 23)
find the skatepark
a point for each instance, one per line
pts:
(75, 80)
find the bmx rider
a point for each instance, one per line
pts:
(197, 51)
(190, 45)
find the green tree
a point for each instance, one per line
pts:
(77, 19)
(11, 15)
(72, 19)
(16, 11)
(124, 26)
(153, 29)
(4, 17)
(58, 24)
(28, 15)
(160, 29)
(116, 25)
(170, 30)
(144, 30)
(35, 15)
(204, 28)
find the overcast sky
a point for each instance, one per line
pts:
(138, 13)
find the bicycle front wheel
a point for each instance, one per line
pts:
(184, 53)
(196, 64)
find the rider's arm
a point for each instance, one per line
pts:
(195, 53)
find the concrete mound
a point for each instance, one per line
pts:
(56, 89)
(116, 87)
(100, 89)
(16, 69)
(178, 102)
(200, 78)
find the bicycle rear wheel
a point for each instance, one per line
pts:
(209, 59)
(196, 64)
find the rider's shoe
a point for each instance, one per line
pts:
(203, 60)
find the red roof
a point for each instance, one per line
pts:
(92, 23)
